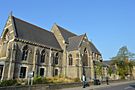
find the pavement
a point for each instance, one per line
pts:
(93, 87)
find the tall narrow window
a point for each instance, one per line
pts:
(23, 72)
(25, 52)
(55, 72)
(56, 59)
(5, 40)
(70, 59)
(42, 56)
(85, 58)
(1, 71)
(41, 72)
(77, 59)
(7, 35)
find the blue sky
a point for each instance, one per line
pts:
(109, 24)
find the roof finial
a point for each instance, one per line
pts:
(10, 13)
(55, 23)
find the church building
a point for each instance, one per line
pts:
(26, 48)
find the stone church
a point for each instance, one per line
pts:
(25, 48)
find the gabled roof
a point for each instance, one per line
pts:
(35, 34)
(74, 42)
(106, 63)
(30, 32)
(65, 33)
(93, 48)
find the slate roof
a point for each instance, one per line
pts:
(30, 32)
(65, 33)
(35, 34)
(106, 63)
(74, 42)
(93, 48)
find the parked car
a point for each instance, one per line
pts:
(97, 82)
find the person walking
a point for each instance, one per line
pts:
(84, 81)
(107, 80)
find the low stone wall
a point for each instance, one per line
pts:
(42, 86)
(33, 87)
(66, 85)
(51, 86)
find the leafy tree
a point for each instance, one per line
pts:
(110, 70)
(98, 68)
(124, 61)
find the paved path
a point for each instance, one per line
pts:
(92, 87)
(127, 86)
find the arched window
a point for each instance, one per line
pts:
(25, 52)
(56, 58)
(42, 72)
(85, 50)
(56, 72)
(23, 72)
(77, 59)
(4, 43)
(42, 56)
(6, 34)
(85, 58)
(70, 59)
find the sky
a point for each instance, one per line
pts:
(109, 24)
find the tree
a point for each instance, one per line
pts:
(110, 70)
(99, 68)
(124, 61)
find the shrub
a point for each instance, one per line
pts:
(41, 80)
(8, 83)
(77, 80)
(37, 80)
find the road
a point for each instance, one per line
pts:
(128, 86)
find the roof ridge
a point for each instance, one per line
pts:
(80, 38)
(76, 36)
(64, 29)
(31, 24)
(94, 47)
(33, 33)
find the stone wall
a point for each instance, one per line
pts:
(32, 63)
(54, 86)
(42, 87)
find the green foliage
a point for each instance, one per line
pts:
(59, 79)
(61, 76)
(99, 68)
(110, 71)
(124, 62)
(40, 80)
(8, 83)
(77, 80)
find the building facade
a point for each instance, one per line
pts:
(26, 48)
(110, 70)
